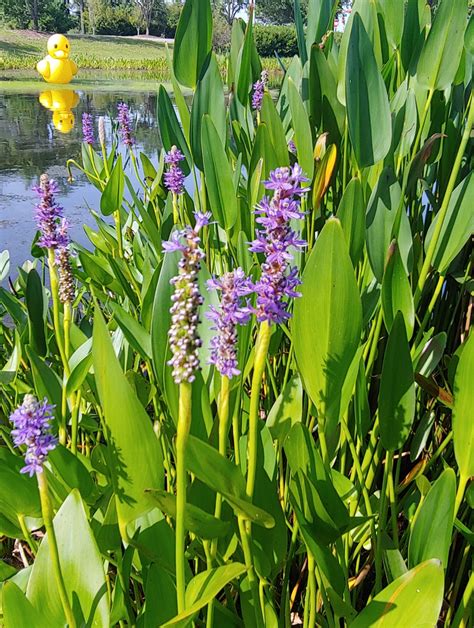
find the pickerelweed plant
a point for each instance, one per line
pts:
(258, 374)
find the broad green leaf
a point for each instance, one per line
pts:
(270, 117)
(325, 351)
(396, 292)
(196, 520)
(160, 591)
(82, 569)
(319, 17)
(193, 41)
(413, 600)
(302, 137)
(326, 111)
(393, 17)
(457, 227)
(34, 303)
(112, 196)
(463, 425)
(18, 612)
(205, 586)
(208, 98)
(397, 388)
(368, 109)
(170, 129)
(351, 213)
(224, 477)
(244, 65)
(381, 224)
(287, 410)
(135, 456)
(18, 492)
(218, 175)
(47, 383)
(179, 99)
(439, 59)
(300, 31)
(433, 526)
(133, 331)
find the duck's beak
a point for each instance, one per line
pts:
(61, 54)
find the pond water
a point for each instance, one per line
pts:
(36, 139)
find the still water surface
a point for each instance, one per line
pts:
(36, 139)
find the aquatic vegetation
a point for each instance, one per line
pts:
(248, 400)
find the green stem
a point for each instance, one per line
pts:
(461, 618)
(441, 216)
(261, 350)
(175, 208)
(26, 533)
(47, 512)
(381, 523)
(428, 313)
(184, 424)
(312, 590)
(118, 231)
(460, 493)
(248, 559)
(75, 422)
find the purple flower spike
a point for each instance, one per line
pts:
(32, 427)
(48, 213)
(183, 334)
(259, 90)
(87, 128)
(292, 147)
(125, 125)
(63, 262)
(174, 177)
(233, 286)
(278, 280)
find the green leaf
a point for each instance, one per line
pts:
(47, 383)
(209, 98)
(463, 425)
(193, 41)
(244, 65)
(368, 109)
(287, 410)
(393, 18)
(170, 130)
(18, 612)
(433, 526)
(326, 111)
(136, 460)
(319, 17)
(439, 59)
(324, 352)
(302, 137)
(300, 31)
(205, 586)
(396, 292)
(397, 388)
(18, 492)
(219, 176)
(351, 213)
(381, 224)
(196, 520)
(270, 117)
(413, 600)
(81, 566)
(34, 305)
(223, 477)
(457, 227)
(112, 196)
(135, 333)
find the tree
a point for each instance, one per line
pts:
(278, 11)
(230, 8)
(146, 9)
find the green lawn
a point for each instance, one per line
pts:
(22, 49)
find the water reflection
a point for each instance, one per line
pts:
(30, 144)
(60, 102)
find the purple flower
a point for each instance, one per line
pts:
(174, 177)
(259, 90)
(233, 286)
(48, 214)
(63, 262)
(125, 124)
(183, 334)
(87, 128)
(292, 146)
(31, 422)
(278, 280)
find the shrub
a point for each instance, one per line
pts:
(276, 39)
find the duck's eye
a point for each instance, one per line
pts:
(55, 45)
(67, 46)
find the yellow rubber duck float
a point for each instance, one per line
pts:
(57, 67)
(60, 102)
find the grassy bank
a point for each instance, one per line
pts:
(103, 58)
(20, 50)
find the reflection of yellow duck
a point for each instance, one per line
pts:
(57, 67)
(60, 102)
